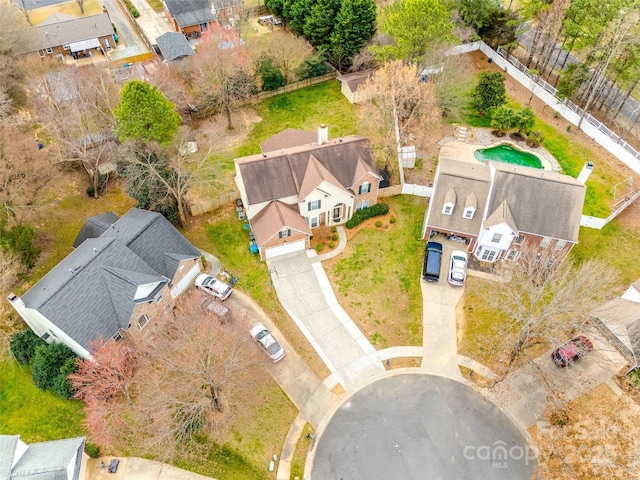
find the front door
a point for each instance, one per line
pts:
(337, 212)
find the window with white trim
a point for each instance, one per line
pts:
(468, 213)
(314, 205)
(45, 336)
(41, 53)
(364, 188)
(447, 209)
(285, 232)
(496, 238)
(362, 204)
(117, 337)
(49, 50)
(66, 47)
(313, 222)
(512, 255)
(488, 255)
(142, 321)
(546, 241)
(560, 244)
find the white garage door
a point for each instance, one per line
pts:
(283, 249)
(179, 287)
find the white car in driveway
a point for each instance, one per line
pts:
(212, 286)
(458, 268)
(265, 340)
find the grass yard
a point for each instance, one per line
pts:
(35, 415)
(156, 5)
(377, 278)
(222, 234)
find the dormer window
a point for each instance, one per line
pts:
(447, 209)
(364, 188)
(468, 212)
(285, 232)
(449, 202)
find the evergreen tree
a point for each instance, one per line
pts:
(354, 27)
(298, 11)
(145, 114)
(490, 92)
(272, 77)
(321, 21)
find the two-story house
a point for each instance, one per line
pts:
(499, 209)
(195, 16)
(121, 280)
(290, 191)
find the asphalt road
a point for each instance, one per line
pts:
(410, 427)
(31, 4)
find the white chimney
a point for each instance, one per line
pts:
(586, 171)
(323, 134)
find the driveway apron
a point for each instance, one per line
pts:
(306, 294)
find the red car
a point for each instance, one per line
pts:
(571, 351)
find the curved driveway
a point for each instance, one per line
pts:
(417, 427)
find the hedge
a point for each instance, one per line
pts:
(372, 211)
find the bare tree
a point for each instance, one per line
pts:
(543, 303)
(6, 104)
(26, 7)
(81, 5)
(286, 51)
(401, 108)
(195, 377)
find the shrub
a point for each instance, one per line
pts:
(272, 77)
(331, 244)
(48, 364)
(314, 66)
(378, 224)
(134, 12)
(92, 450)
(23, 345)
(392, 220)
(319, 247)
(334, 229)
(372, 211)
(334, 237)
(90, 191)
(20, 239)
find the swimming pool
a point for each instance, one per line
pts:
(508, 154)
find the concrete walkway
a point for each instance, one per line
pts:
(138, 469)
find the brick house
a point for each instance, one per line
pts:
(61, 35)
(290, 191)
(122, 279)
(498, 209)
(196, 16)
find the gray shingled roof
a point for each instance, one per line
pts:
(622, 318)
(541, 202)
(191, 12)
(174, 46)
(95, 226)
(60, 29)
(279, 175)
(91, 292)
(355, 79)
(288, 138)
(463, 178)
(8, 444)
(49, 460)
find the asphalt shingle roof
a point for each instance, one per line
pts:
(173, 46)
(45, 460)
(95, 226)
(191, 12)
(60, 29)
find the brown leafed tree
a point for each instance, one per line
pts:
(286, 51)
(24, 172)
(106, 377)
(196, 375)
(77, 108)
(544, 303)
(401, 106)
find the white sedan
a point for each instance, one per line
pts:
(212, 286)
(458, 268)
(270, 345)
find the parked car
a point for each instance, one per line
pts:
(270, 345)
(458, 268)
(113, 465)
(432, 261)
(571, 351)
(213, 286)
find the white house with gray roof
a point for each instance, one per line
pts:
(289, 192)
(112, 285)
(55, 460)
(498, 209)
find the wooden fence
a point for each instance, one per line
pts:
(207, 204)
(294, 86)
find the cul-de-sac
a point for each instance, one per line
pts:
(319, 239)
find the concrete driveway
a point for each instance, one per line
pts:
(306, 294)
(138, 469)
(415, 427)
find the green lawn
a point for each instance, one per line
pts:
(35, 415)
(377, 278)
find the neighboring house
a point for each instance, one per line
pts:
(353, 86)
(498, 209)
(290, 191)
(121, 279)
(619, 321)
(56, 460)
(62, 34)
(174, 46)
(195, 16)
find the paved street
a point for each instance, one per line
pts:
(129, 43)
(416, 427)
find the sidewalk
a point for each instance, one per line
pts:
(138, 469)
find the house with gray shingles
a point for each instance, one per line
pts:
(194, 17)
(120, 281)
(63, 34)
(174, 46)
(498, 209)
(619, 321)
(292, 190)
(55, 460)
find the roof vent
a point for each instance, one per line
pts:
(340, 139)
(264, 155)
